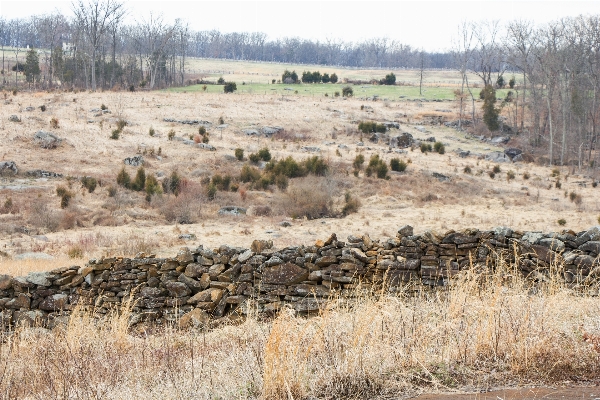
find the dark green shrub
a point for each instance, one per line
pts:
(249, 174)
(115, 134)
(492, 174)
(390, 79)
(171, 134)
(358, 162)
(439, 147)
(426, 147)
(239, 154)
(230, 87)
(336, 94)
(467, 170)
(152, 187)
(264, 154)
(490, 112)
(557, 184)
(139, 183)
(347, 91)
(151, 131)
(123, 179)
(510, 175)
(562, 222)
(254, 157)
(65, 196)
(377, 166)
(333, 78)
(103, 107)
(525, 175)
(315, 165)
(496, 169)
(89, 183)
(175, 183)
(221, 182)
(221, 81)
(398, 165)
(112, 191)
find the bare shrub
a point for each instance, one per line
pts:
(184, 208)
(309, 197)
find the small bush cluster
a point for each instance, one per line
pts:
(239, 154)
(496, 169)
(377, 166)
(347, 91)
(263, 154)
(426, 147)
(89, 183)
(288, 77)
(398, 165)
(371, 127)
(439, 147)
(172, 184)
(140, 183)
(278, 172)
(65, 196)
(357, 164)
(203, 135)
(351, 204)
(121, 124)
(230, 87)
(390, 79)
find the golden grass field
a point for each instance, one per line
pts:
(476, 335)
(123, 224)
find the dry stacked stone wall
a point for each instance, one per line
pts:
(201, 284)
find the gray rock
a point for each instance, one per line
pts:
(206, 146)
(513, 152)
(421, 129)
(391, 124)
(40, 173)
(591, 246)
(440, 177)
(39, 278)
(430, 139)
(500, 140)
(30, 108)
(284, 274)
(232, 210)
(269, 131)
(14, 118)
(497, 157)
(55, 302)
(178, 289)
(187, 236)
(250, 132)
(8, 168)
(503, 231)
(532, 237)
(245, 256)
(311, 149)
(553, 244)
(402, 141)
(47, 140)
(405, 230)
(134, 161)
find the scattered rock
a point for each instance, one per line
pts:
(284, 274)
(500, 140)
(402, 141)
(512, 152)
(269, 131)
(55, 302)
(187, 236)
(497, 157)
(14, 118)
(39, 173)
(47, 140)
(232, 210)
(250, 132)
(134, 161)
(440, 177)
(206, 146)
(391, 125)
(188, 121)
(310, 149)
(8, 168)
(33, 256)
(30, 108)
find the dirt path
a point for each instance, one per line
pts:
(588, 393)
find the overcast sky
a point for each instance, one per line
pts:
(422, 24)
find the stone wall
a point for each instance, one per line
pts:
(199, 284)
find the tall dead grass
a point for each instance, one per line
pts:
(484, 330)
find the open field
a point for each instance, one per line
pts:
(122, 224)
(473, 336)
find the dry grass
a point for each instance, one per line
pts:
(483, 331)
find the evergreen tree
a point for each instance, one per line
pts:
(32, 66)
(490, 112)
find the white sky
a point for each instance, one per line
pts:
(422, 24)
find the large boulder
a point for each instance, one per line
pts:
(402, 141)
(8, 168)
(47, 140)
(512, 152)
(134, 161)
(497, 157)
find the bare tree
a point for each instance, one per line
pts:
(95, 18)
